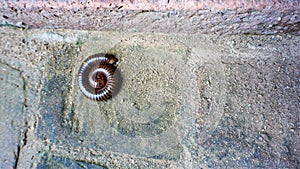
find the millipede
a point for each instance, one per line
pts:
(96, 76)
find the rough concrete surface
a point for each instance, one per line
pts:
(181, 101)
(11, 112)
(194, 16)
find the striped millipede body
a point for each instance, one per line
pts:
(96, 76)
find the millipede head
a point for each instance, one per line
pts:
(111, 59)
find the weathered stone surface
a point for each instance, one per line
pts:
(182, 101)
(260, 110)
(233, 17)
(49, 161)
(262, 94)
(12, 98)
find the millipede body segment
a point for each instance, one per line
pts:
(96, 76)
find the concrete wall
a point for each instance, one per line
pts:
(189, 93)
(234, 17)
(183, 101)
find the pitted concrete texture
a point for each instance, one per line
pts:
(12, 99)
(180, 101)
(230, 16)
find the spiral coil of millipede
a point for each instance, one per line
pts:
(96, 76)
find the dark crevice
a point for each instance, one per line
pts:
(20, 146)
(25, 138)
(17, 155)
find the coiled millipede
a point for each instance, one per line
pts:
(96, 76)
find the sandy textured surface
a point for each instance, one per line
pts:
(181, 101)
(220, 17)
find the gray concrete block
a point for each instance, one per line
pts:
(12, 98)
(182, 101)
(50, 161)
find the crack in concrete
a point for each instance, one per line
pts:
(22, 142)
